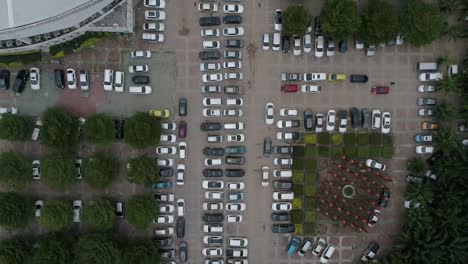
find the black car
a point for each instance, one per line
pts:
(209, 55)
(366, 118)
(434, 158)
(285, 150)
(210, 126)
(212, 172)
(213, 218)
(182, 107)
(355, 117)
(308, 120)
(232, 19)
(284, 185)
(234, 172)
(384, 197)
(4, 79)
(164, 241)
(286, 44)
(119, 125)
(209, 21)
(166, 172)
(213, 151)
(235, 160)
(234, 43)
(59, 79)
(358, 78)
(283, 228)
(317, 26)
(20, 81)
(140, 79)
(267, 146)
(280, 217)
(343, 46)
(370, 252)
(180, 226)
(183, 252)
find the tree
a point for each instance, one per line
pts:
(416, 165)
(141, 211)
(56, 214)
(16, 170)
(296, 20)
(98, 248)
(340, 19)
(60, 130)
(13, 251)
(446, 140)
(379, 23)
(58, 171)
(141, 251)
(99, 129)
(53, 248)
(421, 23)
(142, 130)
(15, 127)
(449, 5)
(99, 214)
(100, 170)
(142, 170)
(448, 85)
(15, 210)
(446, 112)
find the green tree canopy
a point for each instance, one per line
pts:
(60, 130)
(16, 170)
(15, 127)
(15, 210)
(416, 165)
(142, 130)
(99, 129)
(340, 19)
(421, 23)
(100, 170)
(97, 248)
(379, 22)
(142, 170)
(141, 251)
(447, 141)
(446, 112)
(296, 20)
(448, 85)
(141, 211)
(99, 214)
(53, 248)
(58, 171)
(13, 251)
(56, 214)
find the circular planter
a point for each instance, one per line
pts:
(348, 191)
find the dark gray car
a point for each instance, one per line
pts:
(283, 150)
(209, 21)
(233, 43)
(212, 172)
(232, 19)
(366, 118)
(210, 126)
(209, 55)
(166, 172)
(213, 151)
(280, 217)
(308, 120)
(235, 160)
(183, 252)
(355, 117)
(180, 227)
(283, 185)
(234, 172)
(267, 146)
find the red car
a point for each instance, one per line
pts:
(289, 88)
(380, 90)
(182, 129)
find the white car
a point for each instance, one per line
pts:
(166, 150)
(278, 20)
(214, 77)
(235, 102)
(265, 176)
(297, 50)
(234, 218)
(238, 242)
(331, 120)
(423, 88)
(84, 81)
(266, 41)
(165, 231)
(232, 65)
(37, 128)
(35, 78)
(38, 206)
(210, 66)
(233, 31)
(235, 206)
(376, 119)
(211, 112)
(319, 122)
(165, 162)
(430, 76)
(319, 46)
(386, 122)
(153, 37)
(375, 165)
(71, 79)
(138, 68)
(331, 48)
(235, 137)
(212, 206)
(283, 196)
(77, 208)
(213, 162)
(168, 138)
(182, 150)
(155, 3)
(212, 184)
(233, 9)
(180, 174)
(140, 54)
(208, 7)
(281, 207)
(327, 253)
(319, 246)
(342, 126)
(154, 26)
(36, 169)
(214, 195)
(164, 219)
(212, 252)
(235, 185)
(424, 149)
(211, 101)
(269, 113)
(287, 123)
(233, 76)
(213, 32)
(210, 44)
(288, 112)
(169, 126)
(282, 161)
(108, 80)
(119, 81)
(155, 15)
(307, 43)
(287, 135)
(180, 207)
(313, 77)
(310, 88)
(211, 89)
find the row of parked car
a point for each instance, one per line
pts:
(155, 17)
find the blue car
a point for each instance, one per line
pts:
(293, 245)
(162, 185)
(423, 138)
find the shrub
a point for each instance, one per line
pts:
(310, 178)
(416, 165)
(99, 248)
(298, 190)
(78, 43)
(99, 214)
(141, 210)
(296, 19)
(99, 129)
(375, 138)
(311, 151)
(142, 170)
(60, 129)
(15, 127)
(58, 171)
(100, 170)
(21, 58)
(324, 151)
(56, 214)
(375, 152)
(298, 229)
(310, 190)
(297, 203)
(15, 210)
(337, 139)
(309, 203)
(363, 138)
(310, 216)
(59, 55)
(324, 138)
(16, 170)
(310, 139)
(14, 250)
(387, 152)
(142, 130)
(350, 138)
(88, 43)
(350, 151)
(298, 177)
(297, 216)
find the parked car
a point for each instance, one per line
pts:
(422, 101)
(20, 81)
(429, 126)
(269, 114)
(376, 119)
(283, 228)
(331, 120)
(278, 21)
(209, 21)
(424, 149)
(373, 218)
(232, 19)
(380, 90)
(342, 121)
(280, 217)
(327, 253)
(386, 122)
(319, 246)
(4, 80)
(373, 164)
(35, 78)
(430, 76)
(423, 138)
(384, 197)
(370, 252)
(293, 245)
(358, 78)
(304, 248)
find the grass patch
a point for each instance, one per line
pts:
(387, 152)
(311, 165)
(375, 138)
(297, 203)
(363, 139)
(309, 203)
(309, 229)
(310, 190)
(335, 151)
(298, 177)
(309, 216)
(387, 139)
(363, 152)
(311, 151)
(298, 164)
(350, 139)
(297, 216)
(324, 138)
(310, 139)
(298, 229)
(324, 151)
(375, 152)
(337, 139)
(310, 178)
(298, 151)
(298, 190)
(350, 151)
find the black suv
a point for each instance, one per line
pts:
(164, 241)
(280, 217)
(283, 228)
(358, 78)
(209, 21)
(366, 118)
(4, 79)
(20, 81)
(282, 185)
(233, 43)
(213, 218)
(119, 125)
(209, 55)
(232, 19)
(212, 172)
(234, 172)
(213, 151)
(235, 160)
(139, 79)
(317, 26)
(210, 126)
(283, 150)
(166, 172)
(286, 44)
(180, 227)
(355, 117)
(59, 79)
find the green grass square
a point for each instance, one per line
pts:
(349, 138)
(310, 165)
(324, 151)
(297, 216)
(308, 229)
(387, 152)
(337, 139)
(310, 139)
(336, 151)
(298, 164)
(387, 139)
(309, 216)
(309, 202)
(311, 151)
(297, 203)
(299, 229)
(350, 151)
(310, 178)
(375, 152)
(298, 177)
(375, 138)
(363, 138)
(298, 190)
(310, 190)
(298, 150)
(363, 152)
(324, 138)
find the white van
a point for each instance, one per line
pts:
(108, 80)
(140, 89)
(279, 196)
(214, 228)
(282, 173)
(234, 126)
(276, 41)
(452, 70)
(427, 66)
(119, 82)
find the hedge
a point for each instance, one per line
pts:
(310, 190)
(309, 216)
(309, 229)
(311, 165)
(310, 178)
(298, 229)
(19, 59)
(375, 152)
(336, 151)
(297, 203)
(310, 139)
(86, 40)
(297, 216)
(363, 139)
(375, 138)
(309, 203)
(337, 139)
(363, 152)
(298, 177)
(324, 151)
(298, 164)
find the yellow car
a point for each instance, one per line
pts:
(161, 113)
(336, 77)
